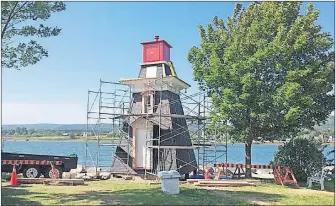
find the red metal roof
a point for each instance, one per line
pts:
(157, 41)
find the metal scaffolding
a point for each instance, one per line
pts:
(209, 144)
(111, 108)
(102, 123)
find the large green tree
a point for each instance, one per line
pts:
(268, 70)
(20, 19)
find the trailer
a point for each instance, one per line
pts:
(33, 166)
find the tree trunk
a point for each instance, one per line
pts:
(248, 158)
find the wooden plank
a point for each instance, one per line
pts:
(228, 181)
(154, 183)
(224, 185)
(60, 182)
(30, 180)
(192, 180)
(203, 181)
(174, 147)
(222, 182)
(236, 184)
(47, 180)
(127, 177)
(158, 183)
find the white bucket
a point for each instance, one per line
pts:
(170, 182)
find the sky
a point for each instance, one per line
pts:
(101, 40)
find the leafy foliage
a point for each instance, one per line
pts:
(72, 131)
(15, 15)
(268, 70)
(303, 156)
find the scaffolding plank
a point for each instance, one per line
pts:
(157, 115)
(174, 147)
(114, 145)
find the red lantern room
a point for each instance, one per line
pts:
(155, 51)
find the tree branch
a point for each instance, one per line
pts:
(10, 16)
(13, 23)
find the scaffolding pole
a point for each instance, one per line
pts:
(97, 111)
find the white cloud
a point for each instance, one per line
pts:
(31, 113)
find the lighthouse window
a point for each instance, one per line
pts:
(167, 70)
(151, 72)
(147, 103)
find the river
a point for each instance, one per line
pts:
(261, 153)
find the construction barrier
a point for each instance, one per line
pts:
(239, 168)
(243, 166)
(282, 176)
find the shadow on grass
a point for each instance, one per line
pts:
(10, 196)
(154, 196)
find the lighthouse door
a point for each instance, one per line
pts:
(141, 151)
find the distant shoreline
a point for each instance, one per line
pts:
(54, 139)
(37, 139)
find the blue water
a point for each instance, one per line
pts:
(261, 153)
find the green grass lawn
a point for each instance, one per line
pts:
(123, 192)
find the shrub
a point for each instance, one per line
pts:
(72, 136)
(302, 156)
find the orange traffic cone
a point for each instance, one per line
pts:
(13, 178)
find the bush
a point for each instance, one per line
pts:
(302, 156)
(72, 136)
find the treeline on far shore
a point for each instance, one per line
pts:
(322, 135)
(23, 132)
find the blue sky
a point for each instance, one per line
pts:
(102, 40)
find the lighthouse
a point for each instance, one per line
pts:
(156, 136)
